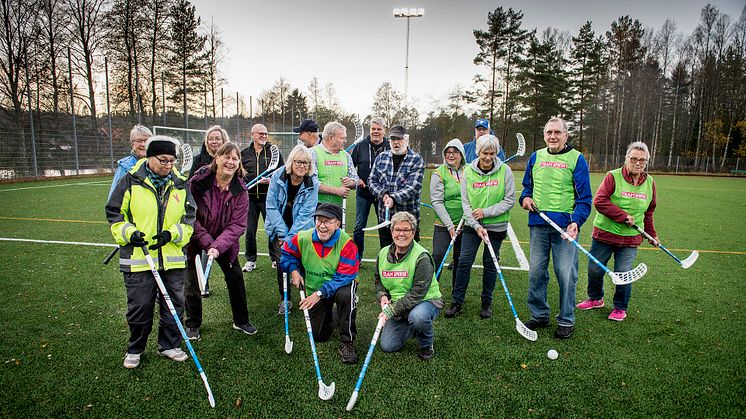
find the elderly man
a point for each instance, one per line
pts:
(138, 136)
(481, 127)
(333, 165)
(255, 159)
(363, 156)
(557, 183)
(308, 133)
(323, 259)
(396, 181)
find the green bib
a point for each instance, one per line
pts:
(319, 269)
(634, 200)
(554, 189)
(330, 168)
(452, 195)
(397, 278)
(485, 191)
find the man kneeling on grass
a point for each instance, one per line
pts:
(407, 289)
(327, 257)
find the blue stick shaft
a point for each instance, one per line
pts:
(285, 301)
(369, 355)
(450, 246)
(647, 236)
(575, 242)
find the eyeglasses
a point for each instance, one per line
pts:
(139, 141)
(260, 133)
(555, 132)
(166, 162)
(636, 160)
(452, 153)
(301, 163)
(403, 230)
(326, 221)
(396, 139)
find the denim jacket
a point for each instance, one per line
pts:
(303, 208)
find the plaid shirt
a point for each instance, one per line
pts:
(404, 186)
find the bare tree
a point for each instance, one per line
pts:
(88, 33)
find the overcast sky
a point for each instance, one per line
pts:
(357, 45)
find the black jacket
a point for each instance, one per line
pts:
(256, 163)
(363, 158)
(203, 159)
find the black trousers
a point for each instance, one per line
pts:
(441, 240)
(142, 291)
(257, 207)
(236, 292)
(322, 315)
(278, 249)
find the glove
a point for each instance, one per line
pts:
(137, 239)
(388, 311)
(161, 239)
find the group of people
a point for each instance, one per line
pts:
(303, 202)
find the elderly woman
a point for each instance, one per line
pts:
(222, 202)
(215, 137)
(138, 136)
(445, 194)
(152, 205)
(487, 195)
(407, 290)
(625, 197)
(291, 201)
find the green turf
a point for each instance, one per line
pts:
(679, 353)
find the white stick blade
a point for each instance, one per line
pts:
(376, 227)
(521, 144)
(326, 392)
(624, 278)
(688, 262)
(210, 397)
(186, 157)
(525, 331)
(288, 345)
(353, 400)
(200, 274)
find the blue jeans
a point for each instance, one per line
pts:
(469, 247)
(623, 258)
(419, 322)
(544, 239)
(362, 211)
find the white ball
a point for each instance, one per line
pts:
(552, 354)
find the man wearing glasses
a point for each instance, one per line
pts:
(138, 136)
(255, 159)
(324, 261)
(481, 127)
(557, 182)
(396, 181)
(308, 133)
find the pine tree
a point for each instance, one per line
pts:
(186, 54)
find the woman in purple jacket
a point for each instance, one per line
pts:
(222, 204)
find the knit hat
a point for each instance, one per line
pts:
(160, 145)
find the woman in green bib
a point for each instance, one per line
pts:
(487, 195)
(406, 289)
(625, 197)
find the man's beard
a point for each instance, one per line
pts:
(399, 152)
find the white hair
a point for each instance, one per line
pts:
(488, 142)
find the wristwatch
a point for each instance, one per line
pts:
(319, 294)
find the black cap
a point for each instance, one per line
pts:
(308, 125)
(329, 211)
(159, 145)
(397, 131)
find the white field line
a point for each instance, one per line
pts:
(57, 186)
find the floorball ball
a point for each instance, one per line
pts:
(552, 354)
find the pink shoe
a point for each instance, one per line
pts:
(617, 315)
(589, 304)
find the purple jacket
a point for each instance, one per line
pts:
(216, 226)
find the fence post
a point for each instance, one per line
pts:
(31, 114)
(677, 165)
(108, 113)
(72, 111)
(163, 96)
(737, 159)
(238, 120)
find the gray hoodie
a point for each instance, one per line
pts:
(437, 190)
(499, 208)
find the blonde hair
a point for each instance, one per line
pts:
(299, 152)
(223, 134)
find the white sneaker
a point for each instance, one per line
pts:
(131, 360)
(176, 354)
(249, 266)
(274, 265)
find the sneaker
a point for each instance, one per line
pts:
(247, 328)
(617, 315)
(454, 310)
(589, 304)
(450, 266)
(249, 266)
(175, 354)
(274, 265)
(563, 332)
(281, 308)
(425, 353)
(206, 294)
(486, 311)
(536, 324)
(192, 333)
(347, 352)
(131, 360)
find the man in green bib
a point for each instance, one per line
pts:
(557, 182)
(324, 261)
(406, 289)
(625, 197)
(333, 165)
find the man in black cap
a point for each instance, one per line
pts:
(324, 261)
(308, 133)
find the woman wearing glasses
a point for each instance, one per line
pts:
(625, 197)
(215, 137)
(291, 201)
(406, 289)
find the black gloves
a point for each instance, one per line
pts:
(137, 239)
(161, 239)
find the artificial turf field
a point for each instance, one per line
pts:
(679, 353)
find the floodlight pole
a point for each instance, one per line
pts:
(407, 13)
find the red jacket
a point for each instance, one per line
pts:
(602, 202)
